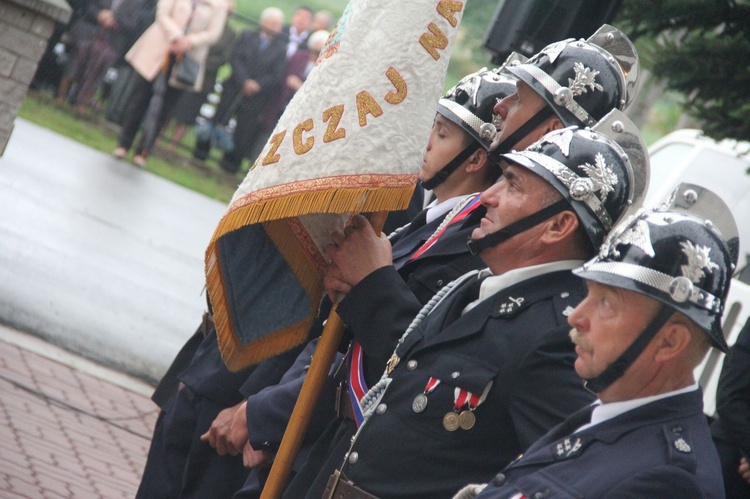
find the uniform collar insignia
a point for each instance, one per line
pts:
(698, 261)
(681, 445)
(511, 305)
(566, 448)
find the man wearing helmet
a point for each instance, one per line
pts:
(656, 294)
(568, 83)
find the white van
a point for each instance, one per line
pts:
(724, 168)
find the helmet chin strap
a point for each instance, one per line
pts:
(476, 246)
(451, 167)
(619, 366)
(521, 132)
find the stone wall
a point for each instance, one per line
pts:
(25, 27)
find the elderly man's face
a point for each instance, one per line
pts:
(515, 110)
(271, 25)
(605, 324)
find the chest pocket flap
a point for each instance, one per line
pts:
(463, 371)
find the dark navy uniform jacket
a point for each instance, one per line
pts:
(662, 449)
(517, 340)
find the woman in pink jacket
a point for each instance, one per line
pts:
(181, 27)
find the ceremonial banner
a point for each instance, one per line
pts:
(351, 140)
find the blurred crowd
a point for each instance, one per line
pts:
(151, 65)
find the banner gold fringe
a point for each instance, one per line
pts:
(271, 213)
(360, 200)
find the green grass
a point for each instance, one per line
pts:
(94, 131)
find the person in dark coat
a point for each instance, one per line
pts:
(731, 430)
(258, 64)
(656, 294)
(298, 67)
(89, 17)
(119, 27)
(298, 31)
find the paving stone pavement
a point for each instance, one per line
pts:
(70, 428)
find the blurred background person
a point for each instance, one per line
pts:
(119, 28)
(189, 104)
(181, 27)
(258, 64)
(322, 20)
(297, 68)
(299, 29)
(731, 431)
(86, 20)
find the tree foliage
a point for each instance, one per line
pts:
(701, 49)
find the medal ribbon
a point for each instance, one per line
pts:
(471, 206)
(357, 386)
(461, 397)
(432, 383)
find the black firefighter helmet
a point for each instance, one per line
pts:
(682, 253)
(582, 80)
(469, 104)
(601, 172)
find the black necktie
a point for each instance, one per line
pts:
(420, 220)
(462, 297)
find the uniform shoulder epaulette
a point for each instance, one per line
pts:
(679, 447)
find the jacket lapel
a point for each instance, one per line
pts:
(408, 244)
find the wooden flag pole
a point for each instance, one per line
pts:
(320, 365)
